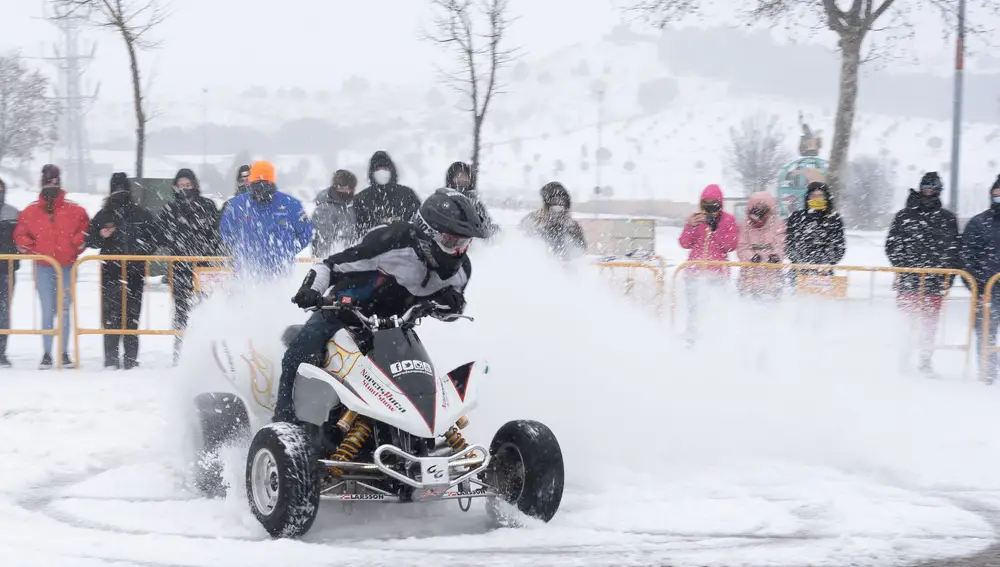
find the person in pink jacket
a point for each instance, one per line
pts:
(762, 240)
(710, 234)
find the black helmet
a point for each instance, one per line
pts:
(449, 219)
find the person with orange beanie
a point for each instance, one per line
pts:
(265, 229)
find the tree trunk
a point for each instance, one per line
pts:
(850, 62)
(477, 127)
(140, 115)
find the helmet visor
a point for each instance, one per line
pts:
(452, 244)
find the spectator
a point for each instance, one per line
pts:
(710, 234)
(816, 233)
(924, 235)
(554, 224)
(981, 256)
(242, 186)
(460, 177)
(385, 200)
(762, 240)
(334, 220)
(8, 220)
(187, 226)
(265, 229)
(122, 228)
(56, 227)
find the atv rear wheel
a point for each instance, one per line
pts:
(526, 471)
(281, 479)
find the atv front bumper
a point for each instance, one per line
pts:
(433, 478)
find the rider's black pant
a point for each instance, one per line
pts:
(311, 339)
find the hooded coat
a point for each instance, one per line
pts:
(980, 248)
(816, 237)
(923, 235)
(383, 204)
(188, 225)
(764, 244)
(449, 182)
(60, 234)
(706, 243)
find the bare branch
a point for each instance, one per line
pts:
(757, 151)
(28, 116)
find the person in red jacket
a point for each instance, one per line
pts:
(56, 227)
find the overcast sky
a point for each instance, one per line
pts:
(316, 44)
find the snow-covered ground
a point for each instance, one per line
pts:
(791, 434)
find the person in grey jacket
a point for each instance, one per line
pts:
(8, 220)
(334, 220)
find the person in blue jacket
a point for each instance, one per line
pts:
(981, 256)
(264, 229)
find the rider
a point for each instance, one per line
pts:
(391, 269)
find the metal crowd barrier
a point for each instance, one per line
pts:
(820, 271)
(56, 331)
(659, 282)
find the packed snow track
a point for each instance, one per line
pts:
(762, 445)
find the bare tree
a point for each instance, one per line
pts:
(28, 116)
(853, 25)
(479, 54)
(757, 151)
(132, 20)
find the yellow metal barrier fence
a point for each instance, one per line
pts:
(56, 331)
(125, 259)
(924, 272)
(656, 269)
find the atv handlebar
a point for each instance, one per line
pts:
(410, 317)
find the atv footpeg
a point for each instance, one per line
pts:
(435, 472)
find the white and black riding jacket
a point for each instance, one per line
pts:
(387, 272)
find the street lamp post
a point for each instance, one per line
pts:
(956, 120)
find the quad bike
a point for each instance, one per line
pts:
(376, 424)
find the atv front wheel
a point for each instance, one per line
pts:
(282, 485)
(526, 471)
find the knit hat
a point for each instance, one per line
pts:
(931, 179)
(554, 193)
(263, 171)
(51, 176)
(120, 182)
(345, 178)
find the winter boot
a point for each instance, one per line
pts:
(67, 362)
(4, 363)
(46, 362)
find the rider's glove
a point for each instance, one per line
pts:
(307, 297)
(450, 301)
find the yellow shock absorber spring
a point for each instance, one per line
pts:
(454, 438)
(352, 444)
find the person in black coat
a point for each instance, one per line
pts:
(460, 178)
(188, 226)
(8, 220)
(981, 256)
(815, 233)
(385, 200)
(924, 235)
(122, 227)
(333, 220)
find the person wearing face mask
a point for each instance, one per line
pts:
(981, 257)
(816, 232)
(761, 241)
(56, 227)
(924, 235)
(710, 234)
(384, 201)
(459, 177)
(394, 268)
(333, 220)
(8, 220)
(554, 224)
(242, 186)
(122, 227)
(265, 229)
(187, 226)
